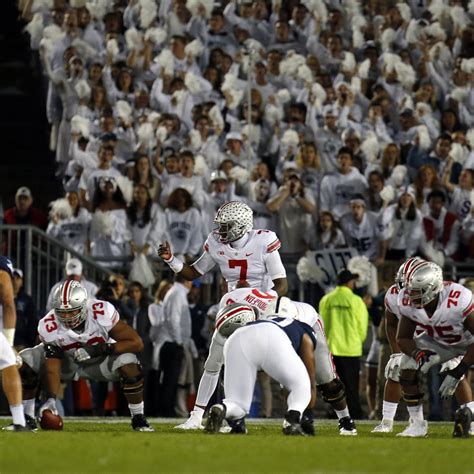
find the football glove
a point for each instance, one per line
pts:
(49, 404)
(425, 359)
(86, 353)
(451, 382)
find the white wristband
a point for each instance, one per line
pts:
(175, 264)
(10, 335)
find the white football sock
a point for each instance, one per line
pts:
(469, 405)
(198, 412)
(136, 408)
(342, 413)
(29, 407)
(388, 410)
(18, 414)
(416, 413)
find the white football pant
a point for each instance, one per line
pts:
(264, 347)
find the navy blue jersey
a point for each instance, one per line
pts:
(6, 265)
(295, 330)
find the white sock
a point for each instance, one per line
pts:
(416, 413)
(29, 407)
(18, 414)
(342, 413)
(388, 410)
(136, 408)
(469, 405)
(198, 412)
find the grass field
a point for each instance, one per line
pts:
(96, 446)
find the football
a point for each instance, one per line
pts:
(50, 421)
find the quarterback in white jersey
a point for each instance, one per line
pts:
(269, 304)
(242, 254)
(445, 312)
(86, 338)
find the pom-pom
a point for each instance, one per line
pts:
(148, 11)
(363, 70)
(273, 114)
(387, 194)
(124, 110)
(356, 85)
(82, 89)
(318, 9)
(349, 63)
(194, 5)
(35, 27)
(457, 153)
(60, 208)
(252, 133)
(156, 35)
(459, 17)
(194, 48)
(371, 147)
(102, 223)
(192, 83)
(362, 267)
(413, 32)
(84, 49)
(289, 66)
(126, 186)
(283, 96)
(436, 31)
(405, 11)
(145, 133)
(358, 39)
(42, 5)
(239, 174)
(308, 270)
(388, 38)
(112, 48)
(470, 138)
(405, 74)
(80, 125)
(166, 61)
(467, 65)
(77, 3)
(399, 174)
(200, 166)
(134, 39)
(319, 95)
(161, 133)
(216, 118)
(195, 140)
(153, 118)
(290, 138)
(459, 94)
(305, 74)
(98, 8)
(423, 137)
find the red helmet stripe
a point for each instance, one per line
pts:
(66, 291)
(415, 267)
(228, 315)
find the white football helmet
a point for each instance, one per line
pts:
(234, 316)
(234, 219)
(403, 270)
(70, 304)
(423, 283)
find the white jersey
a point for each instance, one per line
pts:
(364, 236)
(391, 300)
(265, 302)
(256, 261)
(446, 325)
(101, 318)
(461, 202)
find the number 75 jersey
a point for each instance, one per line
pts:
(446, 325)
(101, 318)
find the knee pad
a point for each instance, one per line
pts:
(413, 400)
(333, 392)
(132, 385)
(29, 378)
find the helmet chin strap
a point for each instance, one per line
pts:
(239, 243)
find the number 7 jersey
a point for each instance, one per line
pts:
(101, 318)
(257, 261)
(446, 325)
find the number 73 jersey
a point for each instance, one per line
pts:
(446, 325)
(101, 318)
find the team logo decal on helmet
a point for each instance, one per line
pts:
(234, 316)
(70, 304)
(234, 220)
(424, 281)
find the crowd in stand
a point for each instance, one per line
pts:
(350, 121)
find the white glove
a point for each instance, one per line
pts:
(81, 355)
(425, 359)
(50, 404)
(392, 369)
(449, 386)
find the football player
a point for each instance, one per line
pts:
(281, 347)
(392, 391)
(86, 338)
(270, 304)
(241, 252)
(9, 362)
(445, 311)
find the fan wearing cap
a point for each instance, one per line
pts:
(346, 321)
(362, 230)
(73, 271)
(24, 213)
(242, 253)
(338, 188)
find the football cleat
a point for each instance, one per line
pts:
(462, 423)
(307, 422)
(237, 426)
(139, 423)
(415, 429)
(194, 422)
(385, 427)
(291, 424)
(30, 423)
(215, 419)
(19, 429)
(347, 427)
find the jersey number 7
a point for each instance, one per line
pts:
(243, 267)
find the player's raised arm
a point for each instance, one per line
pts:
(178, 266)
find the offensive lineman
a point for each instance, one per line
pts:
(11, 381)
(85, 337)
(392, 391)
(445, 310)
(241, 252)
(281, 347)
(269, 304)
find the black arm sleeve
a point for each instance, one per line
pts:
(53, 352)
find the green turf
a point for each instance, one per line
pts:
(100, 447)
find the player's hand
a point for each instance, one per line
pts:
(50, 404)
(18, 359)
(86, 353)
(164, 251)
(451, 382)
(425, 359)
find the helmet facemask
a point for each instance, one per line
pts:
(72, 318)
(234, 220)
(70, 304)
